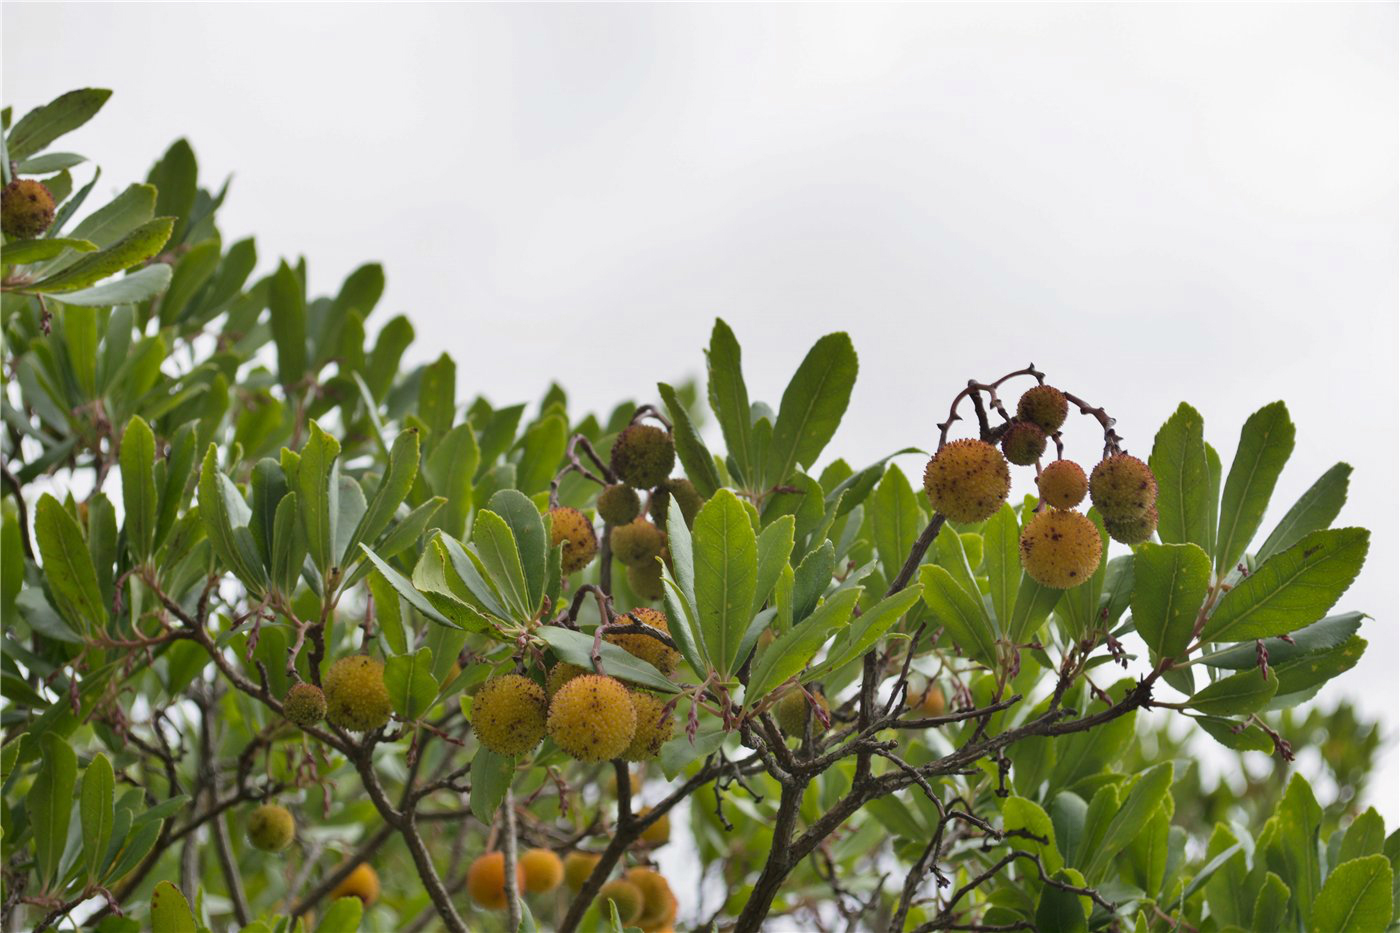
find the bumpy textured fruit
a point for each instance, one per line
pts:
(1023, 443)
(271, 828)
(1122, 488)
(636, 543)
(571, 528)
(486, 880)
(625, 895)
(658, 833)
(578, 866)
(645, 581)
(1044, 405)
(1063, 484)
(643, 455)
(508, 714)
(967, 480)
(928, 702)
(543, 870)
(1133, 530)
(686, 495)
(618, 504)
(304, 704)
(657, 653)
(362, 882)
(654, 727)
(791, 712)
(26, 209)
(658, 903)
(1060, 549)
(356, 698)
(592, 719)
(560, 674)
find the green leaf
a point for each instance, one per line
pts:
(1270, 904)
(726, 576)
(136, 247)
(1021, 815)
(1142, 800)
(388, 612)
(449, 471)
(313, 482)
(1001, 542)
(50, 804)
(1060, 911)
(527, 527)
(192, 271)
(491, 777)
(343, 916)
(542, 451)
(287, 305)
(225, 516)
(1266, 442)
(895, 519)
(1293, 852)
(42, 125)
(1293, 589)
(23, 252)
(695, 457)
(774, 549)
(1313, 670)
(577, 648)
(1236, 695)
(390, 493)
(437, 395)
(176, 177)
(68, 567)
(1365, 836)
(964, 619)
(140, 286)
(1034, 603)
(1170, 584)
(95, 809)
(1179, 462)
(138, 455)
(409, 678)
(49, 163)
(170, 912)
(680, 751)
(729, 399)
(1242, 737)
(114, 220)
(792, 651)
(1315, 510)
(495, 545)
(1356, 898)
(812, 406)
(1322, 635)
(406, 589)
(863, 633)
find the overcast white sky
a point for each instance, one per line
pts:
(1153, 202)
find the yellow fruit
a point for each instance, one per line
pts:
(271, 828)
(618, 504)
(356, 698)
(637, 543)
(655, 652)
(791, 712)
(929, 702)
(26, 209)
(967, 481)
(1060, 549)
(363, 883)
(1023, 443)
(543, 870)
(645, 581)
(1063, 484)
(304, 704)
(560, 674)
(486, 880)
(1122, 488)
(658, 903)
(625, 895)
(578, 866)
(686, 495)
(659, 832)
(592, 718)
(508, 714)
(654, 727)
(643, 455)
(571, 528)
(1044, 405)
(1133, 530)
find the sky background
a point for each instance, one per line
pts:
(1152, 202)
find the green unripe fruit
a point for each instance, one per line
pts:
(1063, 484)
(304, 704)
(508, 714)
(356, 698)
(592, 718)
(26, 209)
(1133, 530)
(1045, 406)
(643, 455)
(967, 481)
(1023, 443)
(686, 496)
(654, 727)
(1122, 488)
(636, 543)
(1060, 549)
(618, 504)
(655, 652)
(572, 529)
(626, 895)
(645, 581)
(791, 712)
(271, 828)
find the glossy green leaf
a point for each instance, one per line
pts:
(1236, 695)
(287, 305)
(726, 576)
(42, 125)
(527, 528)
(137, 456)
(1060, 911)
(1034, 603)
(170, 912)
(895, 519)
(865, 631)
(409, 678)
(1001, 539)
(342, 916)
(963, 618)
(1315, 510)
(1138, 805)
(812, 406)
(406, 589)
(136, 247)
(729, 399)
(1356, 898)
(50, 803)
(774, 549)
(140, 286)
(68, 566)
(495, 545)
(23, 252)
(541, 454)
(1169, 590)
(577, 648)
(790, 653)
(695, 457)
(1270, 904)
(1184, 501)
(449, 470)
(96, 813)
(1266, 442)
(313, 484)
